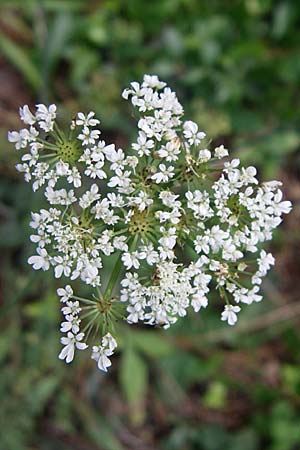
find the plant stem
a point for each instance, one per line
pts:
(116, 271)
(113, 278)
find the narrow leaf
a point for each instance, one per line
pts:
(21, 60)
(134, 381)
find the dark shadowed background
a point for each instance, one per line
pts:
(236, 68)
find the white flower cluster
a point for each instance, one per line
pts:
(71, 326)
(168, 297)
(178, 222)
(102, 352)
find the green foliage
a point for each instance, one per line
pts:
(152, 344)
(236, 68)
(215, 396)
(284, 427)
(134, 381)
(21, 59)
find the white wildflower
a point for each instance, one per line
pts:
(178, 223)
(70, 343)
(230, 314)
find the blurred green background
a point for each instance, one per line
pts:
(236, 68)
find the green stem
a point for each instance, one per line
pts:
(47, 156)
(99, 293)
(59, 133)
(47, 145)
(116, 271)
(87, 314)
(135, 240)
(237, 283)
(224, 295)
(113, 278)
(84, 300)
(64, 212)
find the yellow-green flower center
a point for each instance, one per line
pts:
(68, 151)
(139, 223)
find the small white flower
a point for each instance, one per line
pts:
(74, 177)
(60, 197)
(147, 252)
(89, 197)
(70, 324)
(90, 275)
(202, 244)
(120, 243)
(164, 174)
(280, 207)
(102, 352)
(87, 120)
(169, 199)
(169, 151)
(70, 343)
(62, 168)
(204, 156)
(26, 115)
(46, 116)
(248, 175)
(142, 201)
(168, 239)
(19, 138)
(62, 266)
(109, 341)
(265, 261)
(221, 152)
(41, 260)
(65, 293)
(131, 260)
(120, 180)
(230, 314)
(191, 133)
(199, 301)
(88, 137)
(95, 171)
(230, 166)
(153, 82)
(72, 308)
(143, 145)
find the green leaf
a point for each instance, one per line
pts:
(21, 59)
(282, 17)
(97, 428)
(100, 431)
(134, 382)
(291, 378)
(245, 439)
(60, 32)
(49, 5)
(151, 343)
(43, 390)
(215, 397)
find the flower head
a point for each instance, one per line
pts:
(176, 221)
